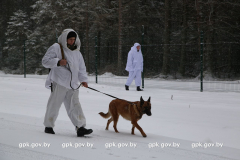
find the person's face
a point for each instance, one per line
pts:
(71, 40)
(138, 47)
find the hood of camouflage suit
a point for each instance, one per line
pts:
(62, 39)
(134, 47)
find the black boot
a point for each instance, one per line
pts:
(126, 87)
(83, 131)
(139, 89)
(49, 130)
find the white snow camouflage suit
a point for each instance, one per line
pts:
(60, 78)
(134, 65)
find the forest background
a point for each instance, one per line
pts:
(171, 34)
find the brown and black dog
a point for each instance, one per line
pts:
(132, 111)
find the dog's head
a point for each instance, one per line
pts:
(145, 106)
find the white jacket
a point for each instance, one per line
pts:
(135, 59)
(60, 74)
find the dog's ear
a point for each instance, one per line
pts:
(141, 101)
(149, 99)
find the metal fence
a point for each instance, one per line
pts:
(101, 60)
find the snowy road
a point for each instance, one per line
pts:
(192, 125)
(28, 130)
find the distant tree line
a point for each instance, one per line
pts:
(169, 31)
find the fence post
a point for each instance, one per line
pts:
(24, 58)
(96, 59)
(143, 56)
(201, 61)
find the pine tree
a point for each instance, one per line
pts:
(17, 32)
(51, 18)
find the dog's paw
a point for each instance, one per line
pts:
(145, 136)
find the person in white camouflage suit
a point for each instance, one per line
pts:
(63, 79)
(134, 66)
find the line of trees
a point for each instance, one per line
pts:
(171, 39)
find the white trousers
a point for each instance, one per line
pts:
(70, 98)
(136, 75)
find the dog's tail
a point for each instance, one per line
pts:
(105, 115)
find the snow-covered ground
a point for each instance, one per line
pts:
(185, 124)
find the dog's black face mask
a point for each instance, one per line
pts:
(146, 106)
(147, 110)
